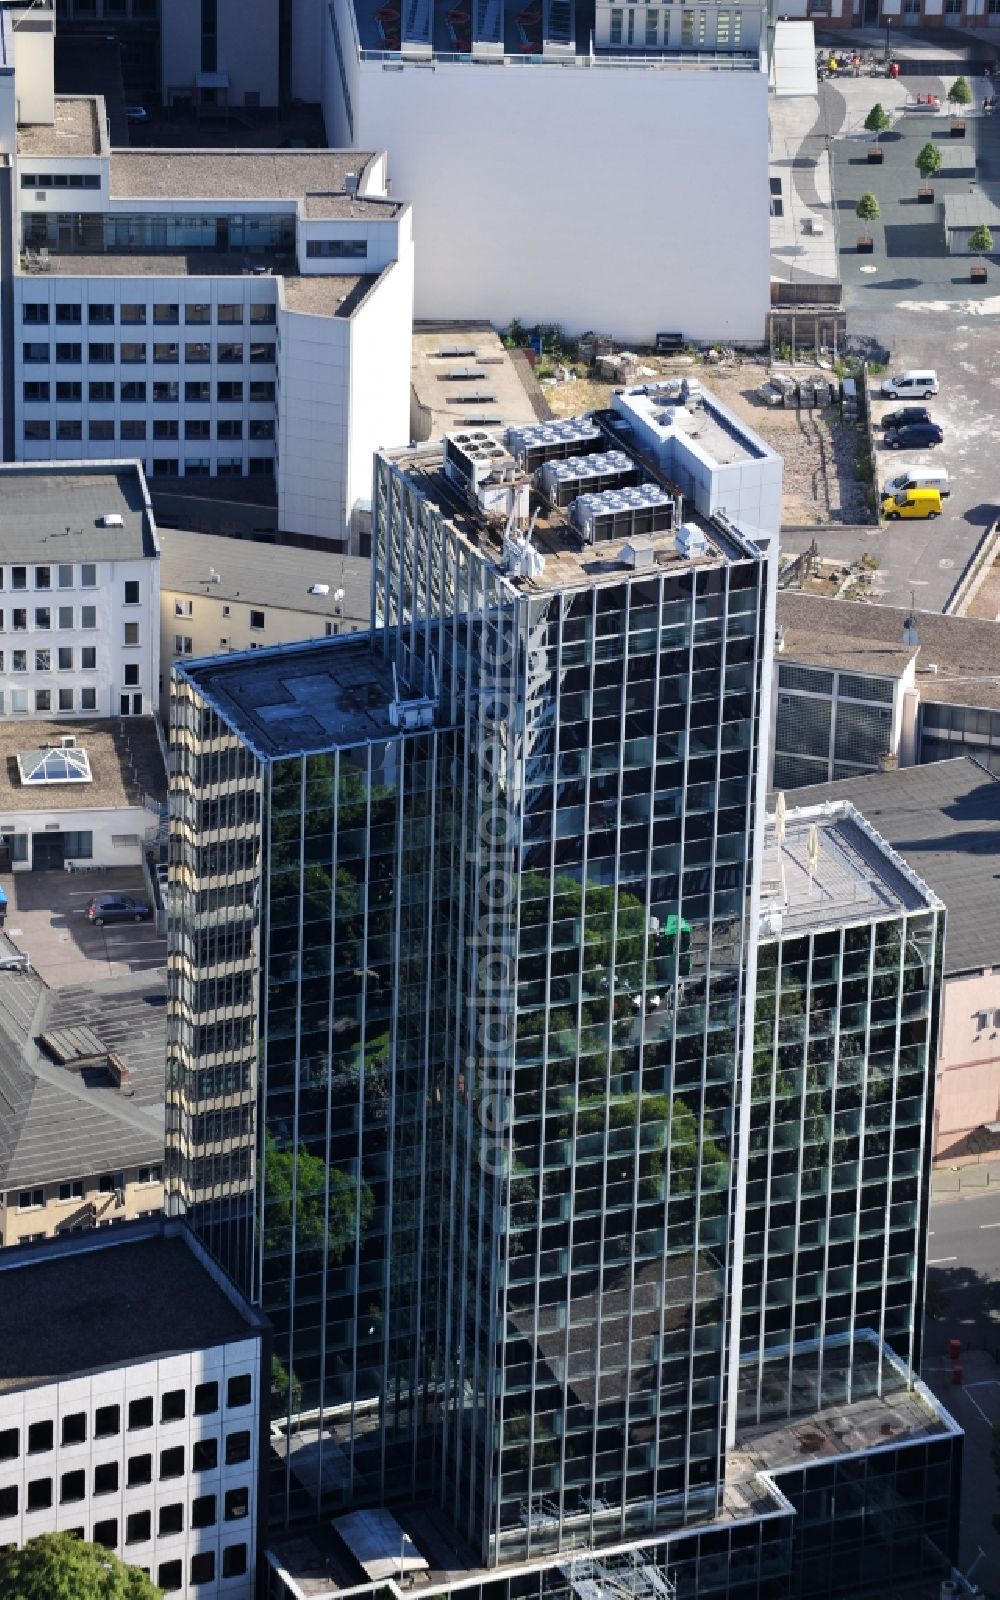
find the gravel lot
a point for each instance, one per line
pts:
(819, 450)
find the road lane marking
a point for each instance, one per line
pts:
(940, 1259)
(989, 1225)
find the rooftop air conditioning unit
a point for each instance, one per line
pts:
(68, 741)
(111, 519)
(690, 540)
(637, 555)
(319, 588)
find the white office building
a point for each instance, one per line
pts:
(130, 1384)
(79, 591)
(597, 166)
(215, 313)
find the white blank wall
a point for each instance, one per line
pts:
(626, 201)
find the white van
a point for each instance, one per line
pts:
(919, 477)
(910, 385)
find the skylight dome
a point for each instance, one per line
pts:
(54, 766)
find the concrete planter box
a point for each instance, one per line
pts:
(925, 196)
(866, 245)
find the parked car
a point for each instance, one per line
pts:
(136, 114)
(14, 961)
(919, 477)
(905, 415)
(916, 436)
(917, 383)
(117, 908)
(912, 503)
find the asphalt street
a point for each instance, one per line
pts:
(919, 305)
(963, 1302)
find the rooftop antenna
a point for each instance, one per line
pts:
(910, 634)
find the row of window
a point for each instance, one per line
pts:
(34, 354)
(73, 1488)
(66, 620)
(138, 1470)
(65, 575)
(107, 1424)
(185, 608)
(132, 429)
(60, 180)
(167, 392)
(107, 8)
(36, 313)
(34, 1199)
(16, 702)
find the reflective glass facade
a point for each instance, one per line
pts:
(841, 1134)
(485, 1105)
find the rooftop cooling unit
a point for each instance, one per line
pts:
(562, 481)
(111, 519)
(539, 442)
(625, 514)
(691, 541)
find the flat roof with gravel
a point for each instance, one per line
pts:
(77, 130)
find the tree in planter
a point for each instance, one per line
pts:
(877, 120)
(928, 161)
(868, 208)
(960, 94)
(981, 241)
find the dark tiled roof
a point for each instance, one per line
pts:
(100, 1302)
(869, 639)
(57, 1123)
(944, 820)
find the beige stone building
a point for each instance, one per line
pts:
(81, 1104)
(219, 595)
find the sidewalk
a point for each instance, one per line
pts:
(956, 1180)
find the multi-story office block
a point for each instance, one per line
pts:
(80, 574)
(847, 1009)
(130, 1405)
(214, 313)
(465, 864)
(461, 1051)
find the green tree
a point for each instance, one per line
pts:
(285, 1170)
(981, 241)
(960, 94)
(877, 119)
(282, 1387)
(56, 1566)
(868, 208)
(928, 160)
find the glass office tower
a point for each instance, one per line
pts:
(491, 874)
(841, 1115)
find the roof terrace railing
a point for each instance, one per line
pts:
(692, 60)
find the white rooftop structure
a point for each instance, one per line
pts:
(714, 458)
(378, 1544)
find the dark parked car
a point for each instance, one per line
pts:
(117, 908)
(905, 416)
(915, 436)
